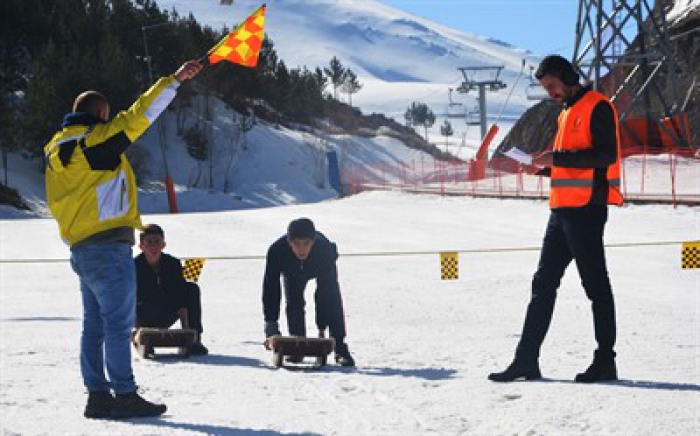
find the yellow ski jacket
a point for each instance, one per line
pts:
(90, 186)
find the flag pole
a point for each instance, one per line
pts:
(204, 60)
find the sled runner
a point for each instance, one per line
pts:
(146, 339)
(298, 347)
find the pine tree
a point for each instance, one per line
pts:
(336, 74)
(446, 130)
(408, 116)
(46, 97)
(197, 148)
(350, 84)
(419, 114)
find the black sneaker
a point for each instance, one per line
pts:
(343, 356)
(602, 369)
(99, 405)
(132, 405)
(198, 349)
(517, 370)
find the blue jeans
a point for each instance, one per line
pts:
(108, 286)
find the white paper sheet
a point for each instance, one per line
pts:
(519, 156)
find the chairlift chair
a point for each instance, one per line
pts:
(534, 90)
(454, 109)
(473, 117)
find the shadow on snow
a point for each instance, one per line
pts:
(213, 429)
(638, 384)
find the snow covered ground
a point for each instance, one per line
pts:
(423, 346)
(278, 166)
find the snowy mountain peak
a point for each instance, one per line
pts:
(375, 40)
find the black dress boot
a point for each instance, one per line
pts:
(99, 405)
(132, 405)
(198, 349)
(343, 356)
(602, 369)
(517, 370)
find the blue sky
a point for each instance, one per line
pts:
(541, 26)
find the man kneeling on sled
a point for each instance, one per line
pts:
(299, 256)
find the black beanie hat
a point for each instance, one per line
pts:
(302, 228)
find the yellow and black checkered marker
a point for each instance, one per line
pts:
(690, 256)
(192, 269)
(449, 265)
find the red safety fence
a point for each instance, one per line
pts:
(672, 178)
(641, 135)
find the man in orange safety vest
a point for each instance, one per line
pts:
(584, 166)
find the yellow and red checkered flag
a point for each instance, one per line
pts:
(242, 46)
(192, 269)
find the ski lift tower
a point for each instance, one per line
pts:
(472, 82)
(624, 49)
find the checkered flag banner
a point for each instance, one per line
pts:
(690, 255)
(192, 269)
(449, 266)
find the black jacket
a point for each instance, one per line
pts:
(281, 261)
(162, 289)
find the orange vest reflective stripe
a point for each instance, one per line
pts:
(573, 187)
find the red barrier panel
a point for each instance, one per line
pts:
(477, 169)
(644, 136)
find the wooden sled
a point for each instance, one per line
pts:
(282, 346)
(147, 339)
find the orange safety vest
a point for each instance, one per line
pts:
(573, 187)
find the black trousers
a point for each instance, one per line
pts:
(329, 307)
(572, 234)
(163, 317)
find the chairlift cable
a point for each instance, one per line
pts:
(515, 84)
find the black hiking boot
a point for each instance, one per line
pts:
(517, 370)
(132, 405)
(198, 349)
(99, 405)
(602, 369)
(343, 356)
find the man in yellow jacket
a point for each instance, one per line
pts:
(585, 170)
(91, 192)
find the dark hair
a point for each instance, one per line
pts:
(89, 102)
(152, 229)
(557, 66)
(302, 228)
